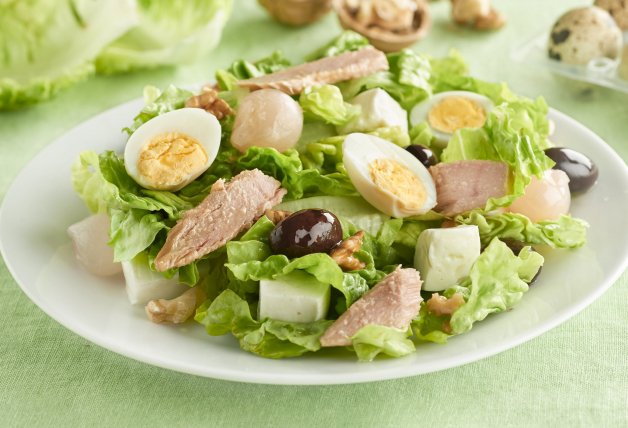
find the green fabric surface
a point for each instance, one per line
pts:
(574, 375)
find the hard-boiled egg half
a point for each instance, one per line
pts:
(173, 149)
(387, 176)
(447, 112)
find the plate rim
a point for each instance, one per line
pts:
(291, 379)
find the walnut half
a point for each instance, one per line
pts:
(441, 305)
(277, 215)
(343, 254)
(178, 310)
(209, 101)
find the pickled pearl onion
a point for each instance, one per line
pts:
(545, 199)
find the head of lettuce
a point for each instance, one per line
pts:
(48, 45)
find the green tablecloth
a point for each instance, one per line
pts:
(575, 375)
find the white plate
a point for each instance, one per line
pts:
(41, 204)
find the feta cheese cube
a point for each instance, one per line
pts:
(296, 297)
(444, 256)
(142, 284)
(378, 110)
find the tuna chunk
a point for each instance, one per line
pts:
(229, 209)
(346, 66)
(466, 185)
(393, 302)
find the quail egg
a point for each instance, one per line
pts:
(387, 176)
(584, 34)
(618, 9)
(450, 111)
(173, 149)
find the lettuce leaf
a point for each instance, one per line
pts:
(566, 232)
(229, 313)
(348, 41)
(137, 215)
(46, 46)
(170, 32)
(325, 154)
(242, 69)
(497, 281)
(495, 284)
(510, 135)
(288, 168)
(250, 260)
(325, 103)
(407, 79)
(372, 340)
(157, 102)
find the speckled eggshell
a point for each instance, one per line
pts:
(584, 34)
(618, 9)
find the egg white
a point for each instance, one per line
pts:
(420, 112)
(193, 122)
(359, 150)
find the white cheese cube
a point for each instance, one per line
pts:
(444, 256)
(378, 110)
(142, 284)
(296, 297)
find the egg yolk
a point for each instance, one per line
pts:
(455, 113)
(170, 159)
(391, 176)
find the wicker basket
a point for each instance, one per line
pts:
(297, 12)
(385, 40)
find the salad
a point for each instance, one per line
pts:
(357, 200)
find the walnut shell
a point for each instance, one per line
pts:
(382, 35)
(297, 12)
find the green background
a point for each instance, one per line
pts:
(574, 375)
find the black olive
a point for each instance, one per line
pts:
(581, 170)
(516, 247)
(425, 155)
(306, 232)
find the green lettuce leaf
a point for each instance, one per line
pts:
(325, 154)
(495, 284)
(133, 231)
(46, 46)
(229, 313)
(372, 340)
(407, 79)
(510, 135)
(325, 103)
(242, 70)
(348, 41)
(566, 232)
(137, 215)
(497, 281)
(288, 168)
(157, 102)
(170, 32)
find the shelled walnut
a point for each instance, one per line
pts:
(390, 25)
(343, 254)
(209, 101)
(175, 311)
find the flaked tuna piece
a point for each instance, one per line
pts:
(468, 184)
(346, 66)
(229, 209)
(393, 302)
